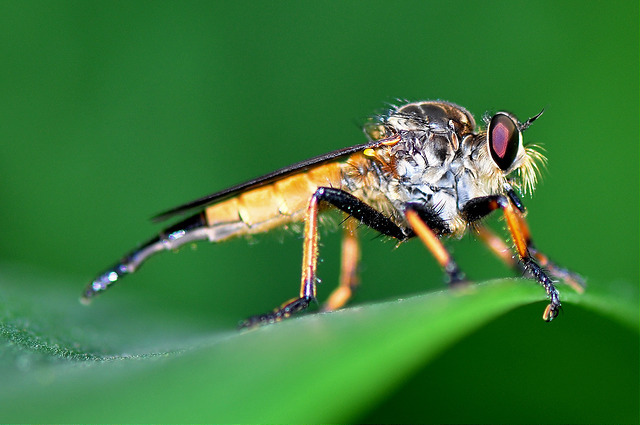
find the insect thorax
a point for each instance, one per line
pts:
(439, 163)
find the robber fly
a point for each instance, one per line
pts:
(425, 171)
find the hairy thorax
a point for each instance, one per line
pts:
(440, 166)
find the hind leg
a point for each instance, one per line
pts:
(357, 210)
(188, 230)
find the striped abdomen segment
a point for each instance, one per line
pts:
(264, 208)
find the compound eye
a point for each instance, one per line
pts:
(504, 140)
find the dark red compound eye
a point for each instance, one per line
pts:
(504, 140)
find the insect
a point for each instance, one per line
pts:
(426, 171)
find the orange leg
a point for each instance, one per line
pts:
(521, 238)
(502, 251)
(349, 279)
(513, 210)
(496, 245)
(356, 209)
(570, 278)
(433, 243)
(309, 265)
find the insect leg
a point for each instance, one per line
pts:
(433, 243)
(496, 245)
(309, 264)
(570, 278)
(188, 230)
(349, 279)
(519, 231)
(358, 211)
(502, 251)
(343, 201)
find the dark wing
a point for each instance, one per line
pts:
(271, 177)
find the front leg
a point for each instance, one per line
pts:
(570, 278)
(349, 278)
(503, 252)
(480, 207)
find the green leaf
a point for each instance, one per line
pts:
(66, 363)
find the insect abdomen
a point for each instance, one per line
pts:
(270, 206)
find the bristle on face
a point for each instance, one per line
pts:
(529, 171)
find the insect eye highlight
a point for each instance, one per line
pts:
(504, 140)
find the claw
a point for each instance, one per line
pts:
(285, 311)
(551, 312)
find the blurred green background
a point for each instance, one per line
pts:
(113, 111)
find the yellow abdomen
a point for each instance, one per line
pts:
(264, 208)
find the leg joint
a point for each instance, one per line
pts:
(361, 211)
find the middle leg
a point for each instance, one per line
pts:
(418, 221)
(349, 278)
